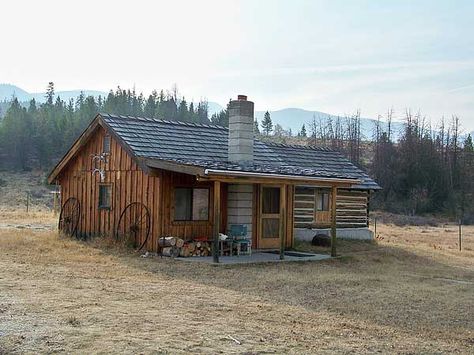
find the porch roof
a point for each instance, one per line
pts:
(160, 142)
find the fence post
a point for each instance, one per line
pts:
(27, 201)
(375, 227)
(460, 234)
(55, 203)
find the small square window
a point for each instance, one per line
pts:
(106, 144)
(105, 196)
(191, 204)
(322, 201)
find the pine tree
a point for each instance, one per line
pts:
(468, 144)
(202, 112)
(50, 93)
(303, 132)
(15, 135)
(183, 111)
(255, 127)
(267, 124)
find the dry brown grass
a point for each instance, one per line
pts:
(20, 217)
(14, 187)
(397, 295)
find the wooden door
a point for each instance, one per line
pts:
(322, 208)
(269, 217)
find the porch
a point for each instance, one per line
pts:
(266, 205)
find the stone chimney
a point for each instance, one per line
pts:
(241, 130)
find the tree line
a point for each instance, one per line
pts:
(36, 135)
(425, 169)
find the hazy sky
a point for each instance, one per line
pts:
(332, 56)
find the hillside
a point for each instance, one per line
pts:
(294, 118)
(7, 91)
(288, 118)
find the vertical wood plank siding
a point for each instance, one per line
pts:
(130, 184)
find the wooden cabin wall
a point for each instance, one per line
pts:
(351, 208)
(189, 229)
(129, 184)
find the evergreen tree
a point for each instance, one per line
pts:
(202, 112)
(267, 124)
(50, 93)
(255, 127)
(303, 132)
(183, 114)
(15, 135)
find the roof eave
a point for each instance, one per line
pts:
(216, 174)
(78, 143)
(174, 166)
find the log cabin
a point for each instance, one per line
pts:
(196, 180)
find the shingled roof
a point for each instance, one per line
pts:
(205, 146)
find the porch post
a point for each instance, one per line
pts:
(217, 219)
(283, 217)
(333, 221)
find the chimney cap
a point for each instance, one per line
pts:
(242, 97)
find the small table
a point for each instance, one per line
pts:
(225, 245)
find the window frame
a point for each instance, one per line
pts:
(196, 221)
(319, 196)
(101, 206)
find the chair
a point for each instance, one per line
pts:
(240, 239)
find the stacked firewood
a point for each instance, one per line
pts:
(174, 247)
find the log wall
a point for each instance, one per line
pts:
(351, 209)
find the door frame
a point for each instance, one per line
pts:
(268, 243)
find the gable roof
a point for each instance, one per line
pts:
(205, 146)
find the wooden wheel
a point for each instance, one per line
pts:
(134, 225)
(69, 217)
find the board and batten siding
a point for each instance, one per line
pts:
(128, 183)
(188, 230)
(351, 208)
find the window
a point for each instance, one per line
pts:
(191, 204)
(106, 144)
(270, 212)
(322, 201)
(105, 196)
(271, 200)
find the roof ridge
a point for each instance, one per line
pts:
(160, 120)
(299, 146)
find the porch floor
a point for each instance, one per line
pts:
(258, 257)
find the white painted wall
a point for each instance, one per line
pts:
(307, 234)
(240, 206)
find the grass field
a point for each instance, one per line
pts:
(410, 292)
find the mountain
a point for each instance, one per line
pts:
(294, 118)
(7, 91)
(213, 107)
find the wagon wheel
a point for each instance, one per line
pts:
(134, 225)
(69, 217)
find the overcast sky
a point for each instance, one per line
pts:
(331, 56)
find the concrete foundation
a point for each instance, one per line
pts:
(307, 234)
